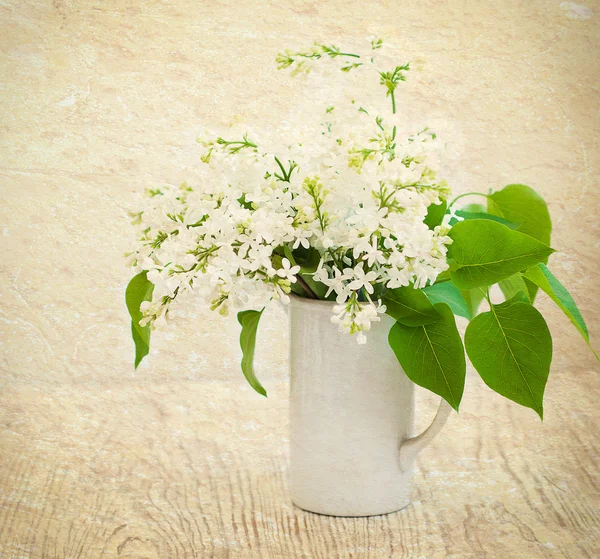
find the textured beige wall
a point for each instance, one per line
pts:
(100, 99)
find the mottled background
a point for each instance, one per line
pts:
(182, 459)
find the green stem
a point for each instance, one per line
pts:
(318, 210)
(393, 102)
(284, 178)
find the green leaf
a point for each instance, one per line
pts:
(493, 208)
(435, 214)
(308, 259)
(473, 297)
(409, 306)
(244, 203)
(522, 297)
(541, 276)
(138, 291)
(142, 348)
(511, 348)
(512, 285)
(432, 355)
(521, 204)
(448, 293)
(297, 289)
(443, 277)
(474, 208)
(318, 288)
(249, 321)
(532, 288)
(485, 252)
(482, 215)
(289, 255)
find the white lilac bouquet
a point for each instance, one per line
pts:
(352, 208)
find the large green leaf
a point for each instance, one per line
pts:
(249, 321)
(138, 291)
(484, 252)
(520, 203)
(511, 348)
(409, 306)
(523, 205)
(448, 293)
(541, 276)
(435, 214)
(432, 355)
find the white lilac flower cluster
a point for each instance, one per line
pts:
(349, 192)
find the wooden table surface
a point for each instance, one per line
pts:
(182, 459)
(185, 469)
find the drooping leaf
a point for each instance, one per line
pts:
(409, 306)
(541, 276)
(483, 215)
(448, 293)
(512, 285)
(249, 322)
(435, 214)
(511, 348)
(523, 205)
(142, 348)
(484, 252)
(432, 355)
(139, 290)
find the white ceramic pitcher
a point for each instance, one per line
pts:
(352, 413)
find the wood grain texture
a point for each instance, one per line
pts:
(186, 469)
(182, 459)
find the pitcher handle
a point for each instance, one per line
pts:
(411, 447)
